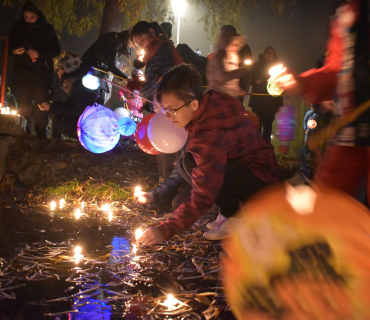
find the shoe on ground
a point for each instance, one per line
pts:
(214, 223)
(220, 231)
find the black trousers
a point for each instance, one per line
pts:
(239, 184)
(29, 97)
(266, 121)
(67, 127)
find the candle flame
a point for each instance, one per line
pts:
(248, 61)
(62, 203)
(138, 233)
(105, 207)
(170, 302)
(110, 216)
(53, 205)
(13, 112)
(78, 213)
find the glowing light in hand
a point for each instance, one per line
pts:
(248, 61)
(274, 71)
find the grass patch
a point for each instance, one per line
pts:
(89, 190)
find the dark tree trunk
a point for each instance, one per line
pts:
(112, 17)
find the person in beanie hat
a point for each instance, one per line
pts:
(65, 114)
(34, 45)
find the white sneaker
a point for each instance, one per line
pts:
(220, 231)
(214, 223)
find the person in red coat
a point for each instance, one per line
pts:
(227, 159)
(345, 77)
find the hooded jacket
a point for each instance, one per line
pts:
(41, 37)
(263, 104)
(219, 132)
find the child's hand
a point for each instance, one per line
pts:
(151, 236)
(19, 51)
(33, 54)
(144, 198)
(45, 106)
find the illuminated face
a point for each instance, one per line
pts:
(60, 72)
(142, 40)
(30, 17)
(178, 111)
(269, 54)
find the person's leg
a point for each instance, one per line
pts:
(181, 197)
(343, 168)
(23, 96)
(40, 117)
(68, 127)
(267, 127)
(239, 184)
(55, 134)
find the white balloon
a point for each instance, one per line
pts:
(164, 135)
(121, 113)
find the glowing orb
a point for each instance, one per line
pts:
(97, 129)
(126, 126)
(312, 124)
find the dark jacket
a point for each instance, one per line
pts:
(189, 56)
(245, 54)
(78, 99)
(105, 52)
(40, 37)
(263, 104)
(218, 132)
(160, 56)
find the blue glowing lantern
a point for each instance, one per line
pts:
(97, 129)
(90, 81)
(126, 126)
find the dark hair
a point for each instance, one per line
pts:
(184, 81)
(229, 28)
(30, 7)
(144, 26)
(262, 55)
(167, 28)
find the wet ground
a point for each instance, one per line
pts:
(42, 276)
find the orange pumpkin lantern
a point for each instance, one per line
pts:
(299, 253)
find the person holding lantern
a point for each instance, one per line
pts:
(223, 71)
(346, 77)
(227, 160)
(65, 114)
(264, 105)
(160, 56)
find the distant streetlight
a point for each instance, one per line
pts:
(178, 6)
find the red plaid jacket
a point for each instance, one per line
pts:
(219, 132)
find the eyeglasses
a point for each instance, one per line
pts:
(172, 112)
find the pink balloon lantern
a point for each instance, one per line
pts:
(164, 135)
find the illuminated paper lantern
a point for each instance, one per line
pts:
(285, 123)
(312, 124)
(299, 250)
(126, 126)
(97, 129)
(91, 82)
